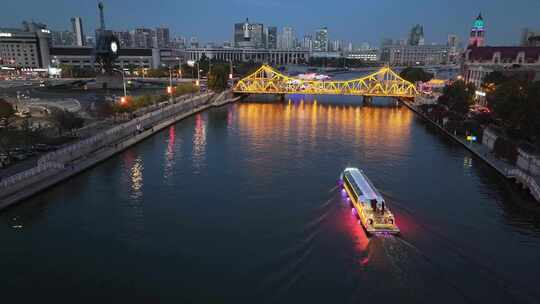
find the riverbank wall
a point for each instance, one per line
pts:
(60, 165)
(505, 169)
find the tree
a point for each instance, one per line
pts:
(493, 79)
(518, 105)
(6, 109)
(218, 78)
(67, 70)
(413, 75)
(204, 64)
(66, 120)
(458, 96)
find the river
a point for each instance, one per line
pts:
(239, 204)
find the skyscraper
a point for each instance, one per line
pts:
(321, 40)
(124, 38)
(271, 37)
(307, 43)
(416, 36)
(249, 35)
(62, 38)
(142, 38)
(478, 34)
(76, 24)
(287, 38)
(337, 45)
(162, 37)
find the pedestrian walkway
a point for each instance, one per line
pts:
(505, 168)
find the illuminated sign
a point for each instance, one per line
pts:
(45, 31)
(6, 34)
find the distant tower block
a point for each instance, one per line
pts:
(478, 33)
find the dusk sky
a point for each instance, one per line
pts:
(351, 20)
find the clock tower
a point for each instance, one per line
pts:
(478, 33)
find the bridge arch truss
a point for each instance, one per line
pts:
(384, 82)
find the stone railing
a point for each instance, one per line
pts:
(527, 180)
(40, 168)
(57, 159)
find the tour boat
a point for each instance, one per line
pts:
(368, 203)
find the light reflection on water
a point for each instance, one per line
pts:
(199, 143)
(171, 155)
(270, 167)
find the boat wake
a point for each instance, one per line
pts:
(489, 274)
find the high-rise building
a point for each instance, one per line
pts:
(271, 36)
(478, 33)
(194, 42)
(321, 40)
(76, 24)
(124, 38)
(142, 38)
(336, 46)
(307, 43)
(178, 43)
(62, 38)
(250, 35)
(27, 47)
(416, 36)
(287, 38)
(162, 37)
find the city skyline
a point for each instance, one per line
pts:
(189, 19)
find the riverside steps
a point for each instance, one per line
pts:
(62, 164)
(504, 168)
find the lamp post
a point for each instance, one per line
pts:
(170, 85)
(198, 74)
(179, 68)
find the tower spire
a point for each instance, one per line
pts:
(101, 15)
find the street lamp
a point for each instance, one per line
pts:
(179, 67)
(170, 89)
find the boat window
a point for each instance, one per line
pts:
(353, 184)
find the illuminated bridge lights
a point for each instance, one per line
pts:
(384, 83)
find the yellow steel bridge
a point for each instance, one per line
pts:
(384, 82)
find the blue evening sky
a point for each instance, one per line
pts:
(354, 20)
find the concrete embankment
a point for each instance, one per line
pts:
(61, 165)
(505, 169)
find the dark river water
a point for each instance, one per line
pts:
(239, 204)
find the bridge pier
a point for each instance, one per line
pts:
(367, 100)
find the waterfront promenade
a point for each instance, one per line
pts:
(59, 165)
(479, 150)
